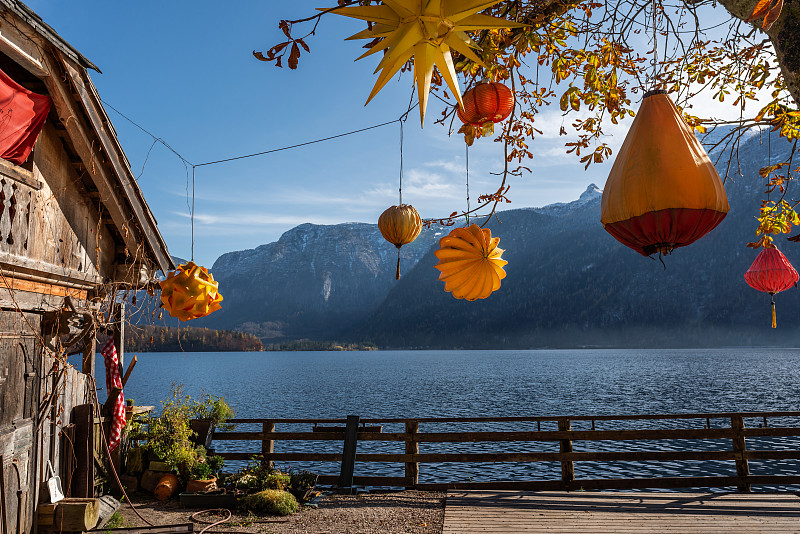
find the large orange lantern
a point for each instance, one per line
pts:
(470, 262)
(400, 225)
(663, 192)
(484, 105)
(771, 273)
(190, 292)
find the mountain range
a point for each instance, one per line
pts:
(568, 284)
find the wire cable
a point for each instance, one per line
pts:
(299, 144)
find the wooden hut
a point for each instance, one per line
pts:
(75, 231)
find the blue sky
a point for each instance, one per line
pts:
(185, 72)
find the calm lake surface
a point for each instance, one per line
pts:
(487, 383)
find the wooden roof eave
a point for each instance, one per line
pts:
(101, 123)
(89, 129)
(32, 19)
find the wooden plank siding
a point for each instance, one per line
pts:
(724, 441)
(472, 512)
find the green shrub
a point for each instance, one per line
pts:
(276, 481)
(274, 502)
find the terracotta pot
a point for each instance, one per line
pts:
(202, 486)
(167, 487)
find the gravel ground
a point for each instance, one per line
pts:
(403, 512)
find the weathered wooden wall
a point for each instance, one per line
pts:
(50, 230)
(28, 377)
(20, 369)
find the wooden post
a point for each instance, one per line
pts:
(567, 467)
(89, 349)
(740, 448)
(119, 334)
(267, 445)
(412, 447)
(349, 453)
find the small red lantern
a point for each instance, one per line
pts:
(771, 273)
(484, 105)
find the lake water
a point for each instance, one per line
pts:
(487, 383)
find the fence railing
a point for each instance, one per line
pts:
(727, 438)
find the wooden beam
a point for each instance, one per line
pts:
(28, 269)
(23, 49)
(119, 334)
(349, 452)
(15, 284)
(89, 350)
(550, 418)
(129, 371)
(18, 174)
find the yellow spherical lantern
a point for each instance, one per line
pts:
(400, 225)
(470, 262)
(190, 292)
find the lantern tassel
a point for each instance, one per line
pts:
(397, 274)
(774, 323)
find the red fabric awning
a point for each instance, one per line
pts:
(22, 115)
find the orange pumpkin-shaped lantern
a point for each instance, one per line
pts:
(663, 192)
(470, 262)
(771, 273)
(190, 292)
(484, 105)
(400, 225)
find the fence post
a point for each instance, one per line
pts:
(412, 447)
(349, 453)
(567, 466)
(740, 448)
(267, 445)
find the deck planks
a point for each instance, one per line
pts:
(468, 512)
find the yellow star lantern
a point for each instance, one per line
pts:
(190, 292)
(426, 30)
(470, 262)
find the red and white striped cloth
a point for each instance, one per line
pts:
(113, 380)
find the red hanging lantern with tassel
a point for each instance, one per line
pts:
(484, 105)
(771, 273)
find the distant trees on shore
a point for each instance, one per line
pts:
(189, 339)
(311, 345)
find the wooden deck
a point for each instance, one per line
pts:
(468, 512)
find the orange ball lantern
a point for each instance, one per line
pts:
(771, 273)
(470, 262)
(190, 292)
(484, 105)
(400, 225)
(663, 191)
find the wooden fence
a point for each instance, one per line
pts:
(726, 432)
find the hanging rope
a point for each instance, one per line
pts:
(400, 189)
(191, 214)
(466, 159)
(653, 82)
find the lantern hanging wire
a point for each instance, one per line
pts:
(400, 188)
(653, 84)
(466, 160)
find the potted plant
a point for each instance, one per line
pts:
(207, 414)
(201, 471)
(303, 485)
(169, 436)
